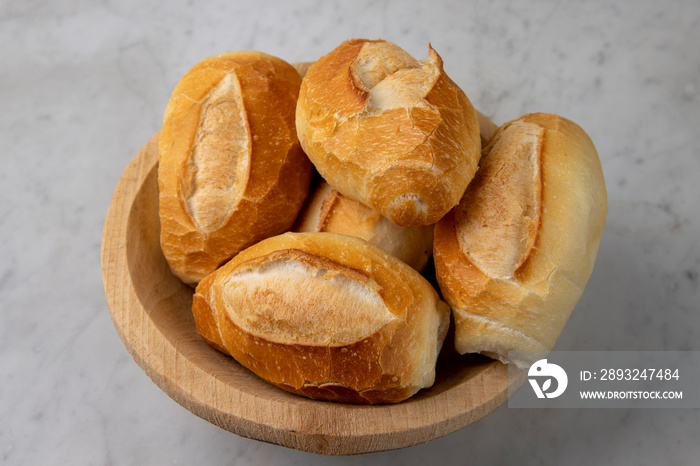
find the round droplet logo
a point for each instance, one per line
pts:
(541, 375)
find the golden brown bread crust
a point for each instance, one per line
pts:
(326, 316)
(513, 258)
(231, 170)
(330, 211)
(389, 131)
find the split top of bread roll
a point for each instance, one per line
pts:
(392, 132)
(231, 170)
(326, 316)
(513, 258)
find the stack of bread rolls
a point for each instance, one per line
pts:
(304, 201)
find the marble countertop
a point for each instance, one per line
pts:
(83, 86)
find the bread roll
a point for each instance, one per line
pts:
(326, 316)
(330, 211)
(231, 171)
(387, 130)
(512, 259)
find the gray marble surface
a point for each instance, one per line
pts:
(83, 85)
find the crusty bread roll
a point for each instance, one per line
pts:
(385, 129)
(231, 171)
(326, 316)
(330, 211)
(512, 259)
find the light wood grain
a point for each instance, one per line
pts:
(151, 310)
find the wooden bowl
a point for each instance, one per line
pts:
(151, 310)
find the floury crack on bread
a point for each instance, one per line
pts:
(387, 130)
(231, 171)
(486, 127)
(327, 316)
(512, 259)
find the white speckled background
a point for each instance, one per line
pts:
(83, 85)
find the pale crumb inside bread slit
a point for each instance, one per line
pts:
(220, 156)
(298, 302)
(399, 81)
(499, 217)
